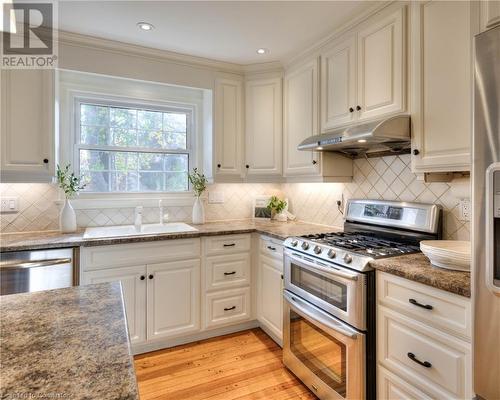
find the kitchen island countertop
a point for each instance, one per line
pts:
(67, 343)
(417, 268)
(54, 239)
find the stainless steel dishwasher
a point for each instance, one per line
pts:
(32, 271)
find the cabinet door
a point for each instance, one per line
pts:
(27, 125)
(270, 307)
(173, 298)
(381, 77)
(263, 127)
(442, 86)
(301, 119)
(134, 295)
(490, 14)
(338, 85)
(228, 128)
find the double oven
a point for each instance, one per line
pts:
(329, 327)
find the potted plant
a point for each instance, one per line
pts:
(70, 185)
(277, 207)
(199, 185)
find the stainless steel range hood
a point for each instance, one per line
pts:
(388, 135)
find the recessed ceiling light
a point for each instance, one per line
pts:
(362, 141)
(262, 51)
(145, 26)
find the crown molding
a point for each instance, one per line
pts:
(267, 67)
(292, 59)
(79, 40)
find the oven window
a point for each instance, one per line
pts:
(320, 353)
(333, 292)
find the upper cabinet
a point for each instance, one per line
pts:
(381, 62)
(300, 119)
(442, 85)
(263, 127)
(228, 137)
(363, 73)
(28, 129)
(490, 14)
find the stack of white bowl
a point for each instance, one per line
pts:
(448, 254)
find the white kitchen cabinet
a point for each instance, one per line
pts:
(300, 119)
(363, 73)
(441, 42)
(381, 67)
(270, 287)
(227, 271)
(228, 137)
(422, 352)
(227, 307)
(173, 299)
(28, 127)
(490, 13)
(338, 83)
(263, 127)
(134, 282)
(270, 295)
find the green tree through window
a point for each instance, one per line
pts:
(125, 149)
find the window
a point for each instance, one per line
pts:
(133, 149)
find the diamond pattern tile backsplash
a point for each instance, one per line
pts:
(387, 178)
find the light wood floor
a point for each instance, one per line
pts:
(244, 365)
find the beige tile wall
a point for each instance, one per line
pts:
(387, 177)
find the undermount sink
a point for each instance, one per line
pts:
(129, 230)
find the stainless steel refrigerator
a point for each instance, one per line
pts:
(486, 215)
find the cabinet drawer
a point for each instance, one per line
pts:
(392, 387)
(226, 244)
(223, 272)
(227, 307)
(405, 345)
(120, 255)
(450, 312)
(271, 247)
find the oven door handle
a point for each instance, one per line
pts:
(319, 316)
(318, 267)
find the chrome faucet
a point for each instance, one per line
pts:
(138, 218)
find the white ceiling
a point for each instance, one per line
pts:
(229, 31)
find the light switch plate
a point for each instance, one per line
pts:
(215, 197)
(9, 205)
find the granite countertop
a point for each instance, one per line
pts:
(417, 267)
(66, 343)
(51, 239)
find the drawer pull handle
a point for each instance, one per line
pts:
(425, 364)
(230, 245)
(416, 303)
(229, 273)
(230, 308)
(271, 248)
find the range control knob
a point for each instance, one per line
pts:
(305, 245)
(331, 253)
(347, 259)
(294, 243)
(317, 249)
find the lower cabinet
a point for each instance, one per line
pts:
(161, 300)
(270, 288)
(173, 299)
(134, 284)
(227, 307)
(423, 352)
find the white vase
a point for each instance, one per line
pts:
(281, 217)
(198, 212)
(67, 218)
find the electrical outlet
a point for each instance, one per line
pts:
(215, 197)
(9, 204)
(465, 210)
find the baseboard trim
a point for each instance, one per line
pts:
(171, 342)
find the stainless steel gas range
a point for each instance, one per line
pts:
(329, 296)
